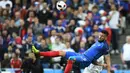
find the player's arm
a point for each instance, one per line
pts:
(108, 62)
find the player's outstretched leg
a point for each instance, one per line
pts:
(48, 53)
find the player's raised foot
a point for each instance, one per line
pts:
(34, 50)
(72, 58)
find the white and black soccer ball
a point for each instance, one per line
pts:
(61, 5)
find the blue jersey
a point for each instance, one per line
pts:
(96, 50)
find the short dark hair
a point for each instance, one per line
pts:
(95, 7)
(59, 37)
(105, 32)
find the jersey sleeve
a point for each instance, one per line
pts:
(106, 50)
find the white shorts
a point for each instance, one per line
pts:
(87, 70)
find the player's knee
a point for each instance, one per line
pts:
(72, 58)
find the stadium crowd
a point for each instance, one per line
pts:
(38, 22)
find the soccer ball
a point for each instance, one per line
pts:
(61, 5)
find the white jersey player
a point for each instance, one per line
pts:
(94, 68)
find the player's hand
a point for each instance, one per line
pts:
(123, 62)
(105, 65)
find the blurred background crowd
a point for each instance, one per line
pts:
(38, 22)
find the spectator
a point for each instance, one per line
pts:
(90, 41)
(90, 4)
(15, 40)
(125, 55)
(101, 4)
(17, 8)
(95, 34)
(5, 40)
(89, 17)
(104, 23)
(75, 15)
(68, 47)
(31, 18)
(36, 5)
(23, 11)
(87, 29)
(47, 29)
(60, 28)
(6, 24)
(54, 16)
(37, 27)
(17, 19)
(27, 45)
(86, 8)
(114, 25)
(17, 2)
(75, 4)
(29, 33)
(48, 42)
(96, 28)
(16, 62)
(68, 2)
(62, 17)
(96, 15)
(6, 62)
(82, 48)
(32, 64)
(18, 52)
(67, 37)
(58, 45)
(12, 27)
(22, 29)
(69, 13)
(123, 7)
(38, 42)
(44, 60)
(32, 7)
(72, 25)
(81, 15)
(25, 64)
(10, 52)
(44, 15)
(108, 4)
(41, 6)
(5, 14)
(53, 36)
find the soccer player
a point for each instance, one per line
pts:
(95, 68)
(98, 49)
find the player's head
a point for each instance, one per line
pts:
(103, 35)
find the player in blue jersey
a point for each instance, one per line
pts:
(91, 55)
